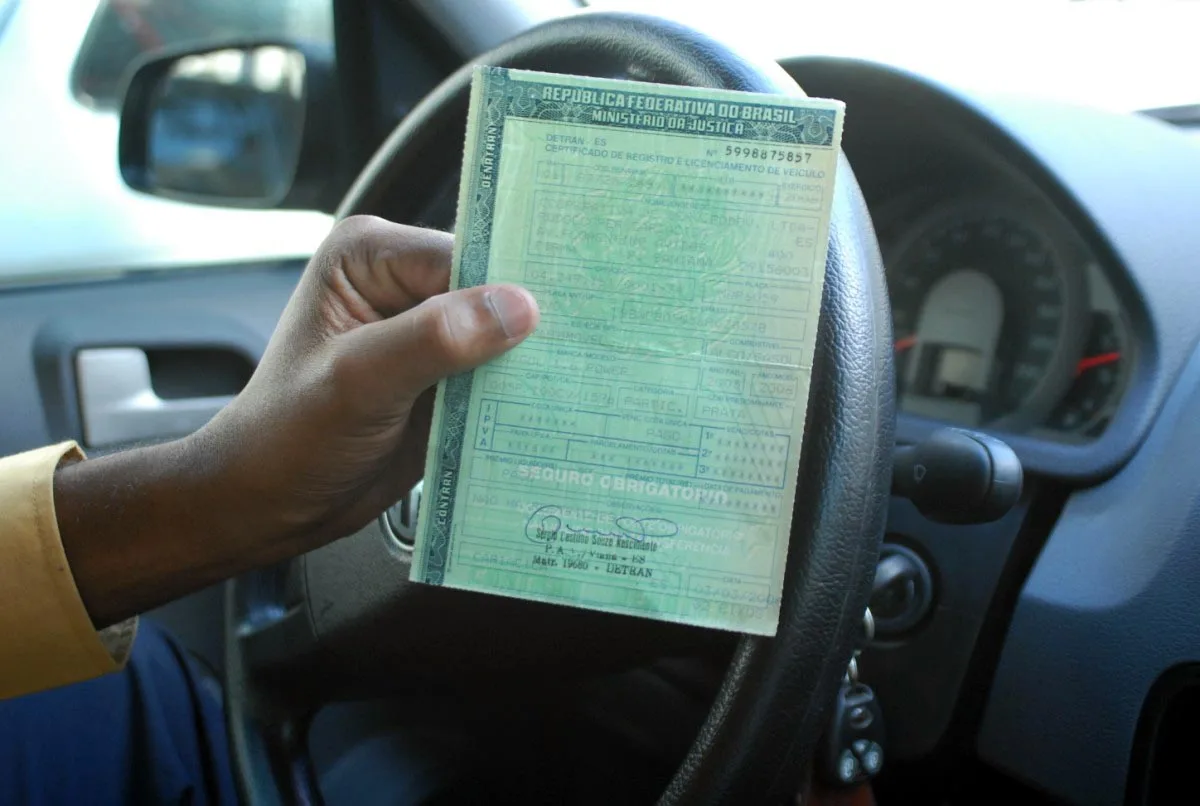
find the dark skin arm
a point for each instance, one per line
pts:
(331, 429)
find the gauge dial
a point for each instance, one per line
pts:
(985, 311)
(1099, 378)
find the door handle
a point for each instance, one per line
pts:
(118, 403)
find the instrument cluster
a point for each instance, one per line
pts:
(1003, 317)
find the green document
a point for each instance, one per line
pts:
(638, 453)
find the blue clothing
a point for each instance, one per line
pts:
(153, 733)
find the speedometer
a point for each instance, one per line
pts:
(987, 315)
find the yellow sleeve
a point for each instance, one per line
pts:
(46, 636)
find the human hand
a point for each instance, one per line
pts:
(333, 426)
(331, 429)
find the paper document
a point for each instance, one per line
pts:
(638, 453)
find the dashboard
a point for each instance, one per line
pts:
(1003, 317)
(1014, 309)
(1041, 264)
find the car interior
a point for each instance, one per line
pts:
(994, 570)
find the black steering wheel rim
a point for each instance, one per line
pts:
(769, 713)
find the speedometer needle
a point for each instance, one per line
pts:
(905, 343)
(1093, 361)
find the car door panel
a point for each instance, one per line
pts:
(44, 329)
(195, 326)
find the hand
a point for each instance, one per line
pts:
(333, 426)
(331, 429)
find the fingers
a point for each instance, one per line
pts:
(395, 332)
(398, 358)
(389, 267)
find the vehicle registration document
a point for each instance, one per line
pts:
(638, 453)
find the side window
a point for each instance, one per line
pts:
(123, 30)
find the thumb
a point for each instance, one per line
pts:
(400, 357)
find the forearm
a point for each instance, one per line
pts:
(149, 525)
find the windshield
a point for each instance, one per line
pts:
(6, 9)
(1122, 56)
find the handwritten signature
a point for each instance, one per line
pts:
(547, 523)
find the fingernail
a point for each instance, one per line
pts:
(514, 309)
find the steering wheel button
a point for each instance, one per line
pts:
(860, 718)
(847, 767)
(872, 759)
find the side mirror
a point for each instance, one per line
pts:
(252, 125)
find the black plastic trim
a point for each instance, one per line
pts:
(1142, 786)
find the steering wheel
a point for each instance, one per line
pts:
(344, 621)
